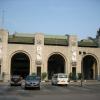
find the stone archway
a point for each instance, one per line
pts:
(90, 67)
(20, 64)
(56, 64)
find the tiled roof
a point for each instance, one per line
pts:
(56, 40)
(21, 39)
(29, 39)
(87, 43)
(48, 40)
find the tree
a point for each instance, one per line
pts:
(98, 33)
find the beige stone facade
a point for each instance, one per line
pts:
(39, 54)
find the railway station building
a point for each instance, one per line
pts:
(25, 53)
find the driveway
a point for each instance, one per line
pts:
(49, 92)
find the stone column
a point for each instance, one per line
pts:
(73, 44)
(4, 64)
(39, 46)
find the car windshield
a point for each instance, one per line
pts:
(16, 78)
(31, 78)
(62, 76)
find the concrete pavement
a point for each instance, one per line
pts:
(77, 83)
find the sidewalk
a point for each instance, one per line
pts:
(85, 82)
(4, 83)
(72, 83)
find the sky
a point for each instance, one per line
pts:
(52, 17)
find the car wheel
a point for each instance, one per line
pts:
(25, 88)
(52, 83)
(66, 85)
(38, 88)
(11, 85)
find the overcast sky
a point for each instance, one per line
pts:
(58, 17)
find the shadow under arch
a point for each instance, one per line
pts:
(20, 63)
(56, 64)
(90, 67)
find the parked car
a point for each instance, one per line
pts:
(60, 79)
(15, 80)
(31, 81)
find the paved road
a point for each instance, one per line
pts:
(48, 92)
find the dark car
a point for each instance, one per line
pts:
(31, 81)
(15, 80)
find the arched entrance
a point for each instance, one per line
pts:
(20, 64)
(56, 64)
(89, 67)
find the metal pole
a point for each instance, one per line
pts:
(82, 75)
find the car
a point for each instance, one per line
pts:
(31, 81)
(15, 80)
(60, 79)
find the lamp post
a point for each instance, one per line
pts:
(82, 54)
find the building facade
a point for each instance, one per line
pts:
(25, 54)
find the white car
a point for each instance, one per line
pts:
(60, 79)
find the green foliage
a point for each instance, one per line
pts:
(79, 76)
(72, 76)
(34, 73)
(43, 76)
